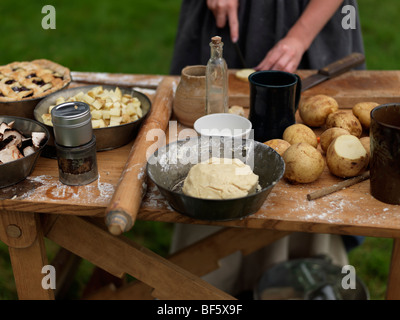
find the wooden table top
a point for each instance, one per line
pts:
(350, 211)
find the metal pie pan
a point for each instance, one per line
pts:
(106, 138)
(25, 108)
(17, 170)
(169, 166)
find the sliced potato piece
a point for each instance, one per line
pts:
(96, 114)
(243, 74)
(98, 123)
(346, 157)
(105, 104)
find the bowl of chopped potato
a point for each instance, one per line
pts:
(117, 113)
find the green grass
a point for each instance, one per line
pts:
(109, 36)
(137, 36)
(379, 22)
(372, 261)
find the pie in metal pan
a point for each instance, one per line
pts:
(24, 84)
(31, 79)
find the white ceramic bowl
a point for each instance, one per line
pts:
(223, 124)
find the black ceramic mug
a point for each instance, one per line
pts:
(274, 99)
(385, 153)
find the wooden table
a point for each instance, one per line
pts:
(73, 217)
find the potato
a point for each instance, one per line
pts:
(278, 145)
(329, 135)
(367, 145)
(298, 132)
(314, 110)
(304, 163)
(346, 157)
(110, 106)
(239, 110)
(362, 111)
(243, 74)
(345, 120)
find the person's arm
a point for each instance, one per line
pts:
(287, 53)
(226, 10)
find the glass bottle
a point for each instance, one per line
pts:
(216, 79)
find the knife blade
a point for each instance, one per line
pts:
(333, 70)
(239, 53)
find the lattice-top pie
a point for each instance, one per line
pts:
(30, 80)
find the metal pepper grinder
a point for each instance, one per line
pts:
(75, 143)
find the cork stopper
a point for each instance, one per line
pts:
(216, 40)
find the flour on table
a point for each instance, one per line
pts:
(50, 188)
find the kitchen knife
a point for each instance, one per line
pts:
(333, 70)
(239, 53)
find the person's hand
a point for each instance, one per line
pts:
(284, 56)
(226, 10)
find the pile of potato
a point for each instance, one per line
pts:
(108, 107)
(340, 147)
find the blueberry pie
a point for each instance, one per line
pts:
(31, 79)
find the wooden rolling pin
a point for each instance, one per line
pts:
(117, 79)
(125, 203)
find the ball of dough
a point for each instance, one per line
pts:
(220, 179)
(298, 132)
(304, 163)
(314, 110)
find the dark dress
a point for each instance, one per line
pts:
(262, 24)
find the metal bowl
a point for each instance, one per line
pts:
(106, 138)
(307, 279)
(169, 166)
(16, 171)
(24, 108)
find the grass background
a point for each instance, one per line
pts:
(125, 36)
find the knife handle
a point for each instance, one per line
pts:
(343, 65)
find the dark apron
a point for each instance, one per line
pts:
(262, 24)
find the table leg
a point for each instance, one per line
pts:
(200, 258)
(23, 234)
(393, 289)
(119, 255)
